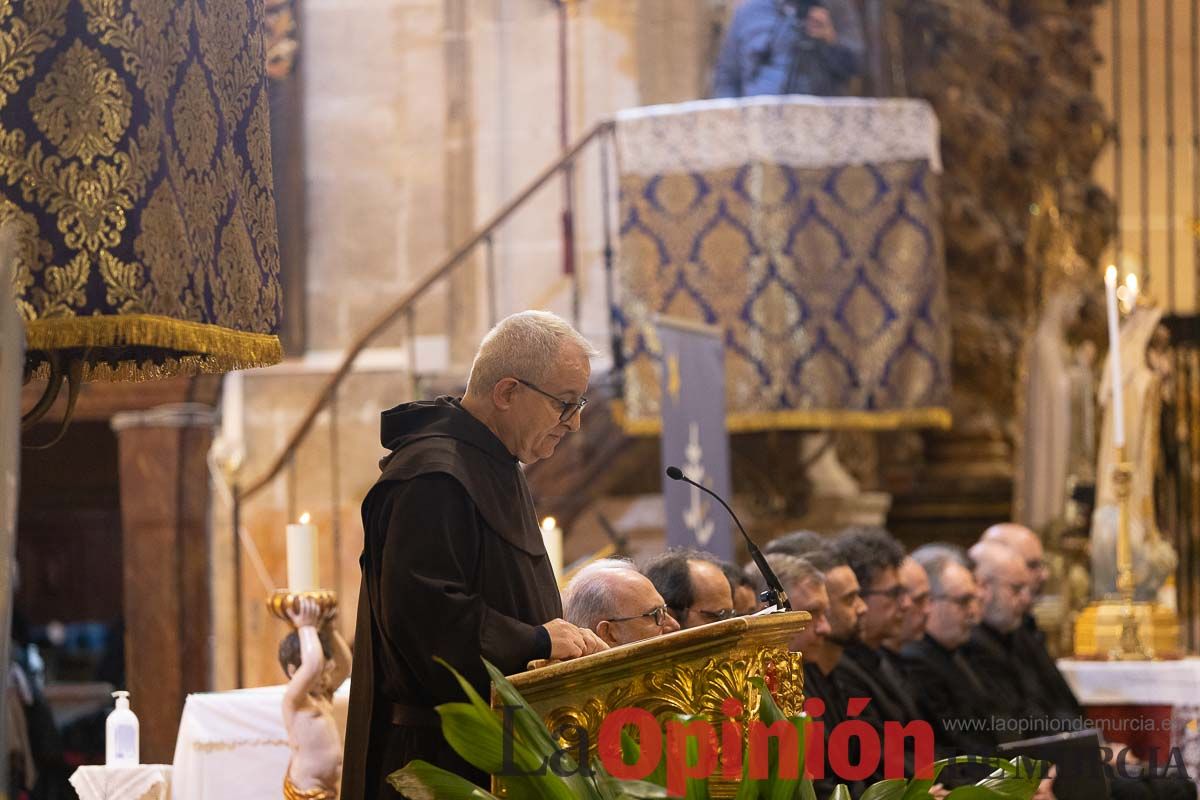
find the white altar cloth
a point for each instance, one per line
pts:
(140, 782)
(233, 746)
(1146, 683)
(1134, 683)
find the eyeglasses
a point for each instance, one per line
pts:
(962, 600)
(894, 593)
(716, 616)
(569, 410)
(659, 614)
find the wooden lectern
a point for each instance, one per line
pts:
(687, 672)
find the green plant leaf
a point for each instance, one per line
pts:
(475, 736)
(980, 793)
(890, 789)
(481, 705)
(1011, 788)
(747, 789)
(631, 750)
(840, 793)
(528, 727)
(696, 788)
(421, 780)
(776, 787)
(639, 789)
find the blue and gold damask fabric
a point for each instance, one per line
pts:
(135, 174)
(808, 231)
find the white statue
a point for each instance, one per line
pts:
(316, 663)
(1049, 425)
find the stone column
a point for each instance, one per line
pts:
(165, 533)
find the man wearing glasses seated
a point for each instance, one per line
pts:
(694, 586)
(618, 603)
(875, 557)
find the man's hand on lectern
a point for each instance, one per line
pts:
(593, 642)
(569, 641)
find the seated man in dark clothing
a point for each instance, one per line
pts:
(835, 597)
(1002, 657)
(912, 626)
(952, 696)
(1030, 641)
(875, 556)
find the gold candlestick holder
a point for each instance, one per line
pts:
(1122, 628)
(282, 601)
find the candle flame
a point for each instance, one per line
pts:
(1110, 275)
(549, 524)
(1131, 283)
(304, 518)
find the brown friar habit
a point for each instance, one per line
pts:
(453, 565)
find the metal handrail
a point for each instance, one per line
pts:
(405, 303)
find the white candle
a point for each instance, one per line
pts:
(1114, 355)
(552, 535)
(302, 556)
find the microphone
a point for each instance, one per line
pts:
(774, 593)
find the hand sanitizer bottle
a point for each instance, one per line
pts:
(121, 734)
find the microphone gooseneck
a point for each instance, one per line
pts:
(774, 593)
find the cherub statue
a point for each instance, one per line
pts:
(316, 660)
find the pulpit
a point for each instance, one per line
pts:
(809, 231)
(690, 672)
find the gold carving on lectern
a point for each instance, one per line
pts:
(692, 690)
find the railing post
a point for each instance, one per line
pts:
(238, 631)
(410, 319)
(335, 490)
(610, 287)
(489, 245)
(291, 486)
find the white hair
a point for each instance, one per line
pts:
(588, 598)
(526, 345)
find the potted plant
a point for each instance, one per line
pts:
(476, 732)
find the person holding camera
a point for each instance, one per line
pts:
(812, 47)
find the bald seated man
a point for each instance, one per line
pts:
(1027, 545)
(1029, 641)
(618, 603)
(1021, 683)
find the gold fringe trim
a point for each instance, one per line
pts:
(237, 744)
(197, 347)
(819, 419)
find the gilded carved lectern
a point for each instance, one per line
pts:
(690, 672)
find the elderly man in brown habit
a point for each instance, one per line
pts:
(453, 563)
